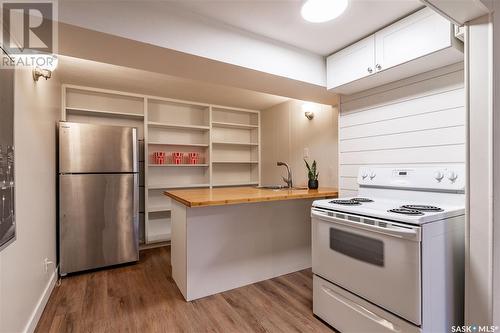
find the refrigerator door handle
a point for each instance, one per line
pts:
(135, 147)
(136, 209)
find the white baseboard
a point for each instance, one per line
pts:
(153, 245)
(40, 306)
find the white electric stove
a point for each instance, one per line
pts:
(391, 259)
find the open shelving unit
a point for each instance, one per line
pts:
(227, 139)
(235, 147)
(174, 126)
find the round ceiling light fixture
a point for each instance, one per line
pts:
(318, 11)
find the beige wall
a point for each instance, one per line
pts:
(23, 280)
(285, 134)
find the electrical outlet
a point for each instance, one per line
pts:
(306, 152)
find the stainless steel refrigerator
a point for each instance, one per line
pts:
(98, 196)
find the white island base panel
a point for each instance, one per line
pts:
(218, 248)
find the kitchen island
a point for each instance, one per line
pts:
(224, 238)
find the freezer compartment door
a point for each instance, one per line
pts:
(88, 148)
(98, 221)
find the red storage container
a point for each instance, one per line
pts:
(193, 158)
(159, 157)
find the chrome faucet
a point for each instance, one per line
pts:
(287, 180)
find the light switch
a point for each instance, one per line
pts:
(306, 152)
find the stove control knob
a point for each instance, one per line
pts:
(439, 175)
(452, 176)
(372, 174)
(364, 174)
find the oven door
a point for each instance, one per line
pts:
(374, 259)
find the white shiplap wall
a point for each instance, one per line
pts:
(416, 121)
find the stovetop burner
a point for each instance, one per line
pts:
(423, 208)
(362, 199)
(405, 211)
(349, 202)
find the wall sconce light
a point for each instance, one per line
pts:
(309, 115)
(47, 65)
(308, 108)
(40, 72)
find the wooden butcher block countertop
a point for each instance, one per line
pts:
(236, 195)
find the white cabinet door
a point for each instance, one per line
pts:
(417, 35)
(352, 63)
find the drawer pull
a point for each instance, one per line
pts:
(361, 310)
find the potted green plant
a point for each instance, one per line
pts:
(312, 174)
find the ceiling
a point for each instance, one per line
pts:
(277, 21)
(281, 20)
(100, 75)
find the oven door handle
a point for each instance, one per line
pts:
(394, 231)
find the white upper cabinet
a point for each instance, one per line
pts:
(415, 36)
(352, 63)
(418, 43)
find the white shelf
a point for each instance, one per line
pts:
(233, 125)
(249, 144)
(157, 209)
(178, 144)
(178, 165)
(159, 227)
(237, 184)
(235, 162)
(166, 186)
(178, 126)
(158, 238)
(231, 109)
(101, 113)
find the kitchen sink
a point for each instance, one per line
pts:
(272, 187)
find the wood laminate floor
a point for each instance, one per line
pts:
(144, 298)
